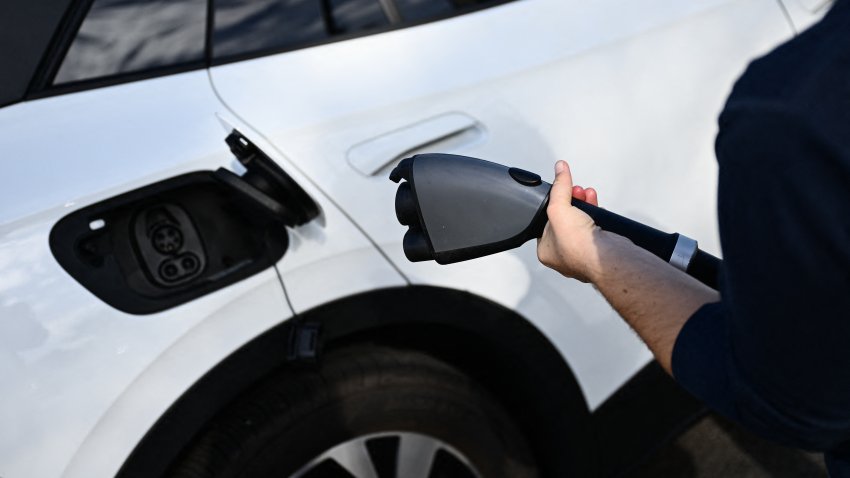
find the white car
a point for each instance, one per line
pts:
(172, 304)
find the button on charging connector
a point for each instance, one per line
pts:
(526, 178)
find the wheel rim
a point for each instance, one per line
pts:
(390, 455)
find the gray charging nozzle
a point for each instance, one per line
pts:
(458, 208)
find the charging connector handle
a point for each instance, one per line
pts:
(680, 251)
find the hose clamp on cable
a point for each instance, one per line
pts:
(683, 253)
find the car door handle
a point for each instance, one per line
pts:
(371, 156)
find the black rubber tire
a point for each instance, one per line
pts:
(296, 415)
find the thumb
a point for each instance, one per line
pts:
(561, 193)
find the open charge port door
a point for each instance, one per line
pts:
(173, 241)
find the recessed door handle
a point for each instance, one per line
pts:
(370, 157)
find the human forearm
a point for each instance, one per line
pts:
(655, 298)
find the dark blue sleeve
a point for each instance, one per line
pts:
(700, 357)
(838, 464)
(774, 354)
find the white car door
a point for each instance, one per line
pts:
(90, 359)
(627, 91)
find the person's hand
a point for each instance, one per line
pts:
(568, 244)
(655, 298)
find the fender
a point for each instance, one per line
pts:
(494, 345)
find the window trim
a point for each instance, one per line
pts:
(390, 8)
(118, 79)
(59, 46)
(42, 84)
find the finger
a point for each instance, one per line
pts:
(579, 193)
(562, 188)
(592, 196)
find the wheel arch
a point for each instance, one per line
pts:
(496, 346)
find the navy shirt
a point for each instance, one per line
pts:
(774, 354)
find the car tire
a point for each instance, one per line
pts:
(391, 408)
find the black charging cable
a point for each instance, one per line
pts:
(675, 248)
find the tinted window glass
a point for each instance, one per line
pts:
(417, 10)
(253, 26)
(125, 36)
(248, 26)
(412, 10)
(357, 15)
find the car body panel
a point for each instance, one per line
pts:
(81, 377)
(329, 257)
(236, 315)
(630, 98)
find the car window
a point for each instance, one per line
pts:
(419, 10)
(414, 10)
(125, 37)
(129, 36)
(253, 26)
(259, 25)
(349, 16)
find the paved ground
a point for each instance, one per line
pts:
(714, 447)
